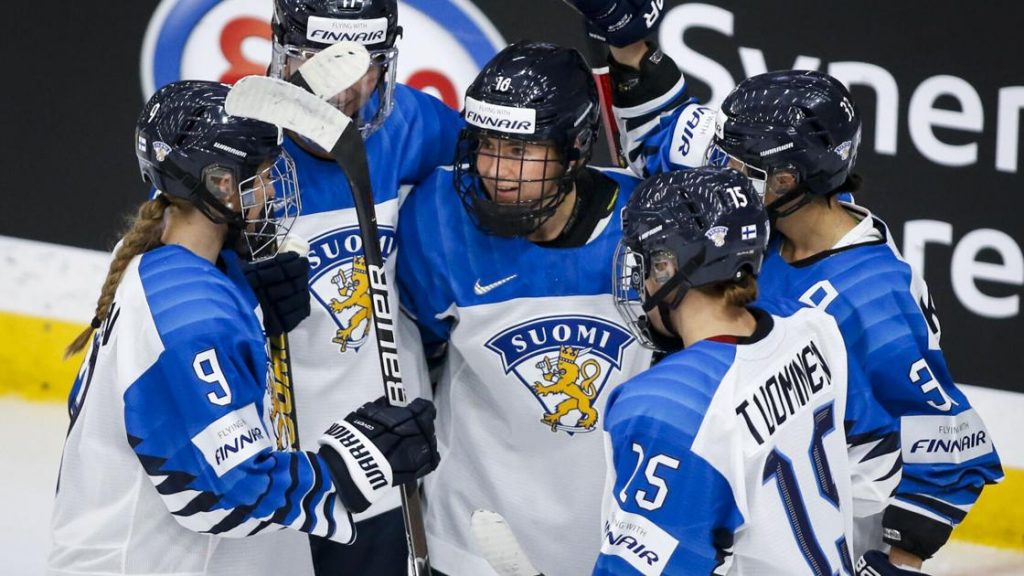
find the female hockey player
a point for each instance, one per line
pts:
(408, 133)
(505, 258)
(722, 445)
(169, 465)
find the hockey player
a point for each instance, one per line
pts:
(407, 134)
(796, 134)
(721, 445)
(842, 259)
(505, 258)
(169, 466)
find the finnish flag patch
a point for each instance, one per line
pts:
(749, 232)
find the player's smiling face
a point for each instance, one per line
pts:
(517, 172)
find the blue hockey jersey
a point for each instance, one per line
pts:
(333, 352)
(892, 331)
(729, 457)
(170, 448)
(534, 345)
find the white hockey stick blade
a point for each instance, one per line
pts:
(288, 106)
(335, 68)
(498, 545)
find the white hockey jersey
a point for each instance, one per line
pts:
(334, 363)
(169, 466)
(729, 457)
(534, 347)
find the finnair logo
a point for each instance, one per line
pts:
(331, 31)
(944, 439)
(500, 118)
(232, 439)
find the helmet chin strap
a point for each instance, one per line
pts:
(658, 300)
(800, 193)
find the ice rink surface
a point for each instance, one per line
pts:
(33, 434)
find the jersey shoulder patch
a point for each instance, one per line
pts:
(677, 391)
(188, 295)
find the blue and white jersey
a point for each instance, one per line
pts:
(892, 331)
(729, 457)
(334, 361)
(169, 465)
(535, 344)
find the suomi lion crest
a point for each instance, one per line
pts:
(354, 288)
(564, 362)
(573, 380)
(340, 283)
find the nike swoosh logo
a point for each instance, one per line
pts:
(480, 290)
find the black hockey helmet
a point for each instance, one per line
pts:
(190, 148)
(802, 121)
(685, 229)
(302, 28)
(317, 24)
(533, 93)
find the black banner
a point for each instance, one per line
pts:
(939, 83)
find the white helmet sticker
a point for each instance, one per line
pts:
(720, 119)
(329, 31)
(500, 118)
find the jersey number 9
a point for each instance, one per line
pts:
(208, 370)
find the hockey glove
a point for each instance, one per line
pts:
(621, 22)
(280, 284)
(379, 446)
(875, 563)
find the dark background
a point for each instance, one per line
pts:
(73, 92)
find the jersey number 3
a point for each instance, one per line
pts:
(208, 370)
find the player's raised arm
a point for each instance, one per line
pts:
(661, 128)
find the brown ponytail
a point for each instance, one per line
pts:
(143, 235)
(737, 294)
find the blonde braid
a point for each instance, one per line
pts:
(143, 235)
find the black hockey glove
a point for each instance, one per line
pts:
(379, 446)
(621, 22)
(875, 563)
(280, 284)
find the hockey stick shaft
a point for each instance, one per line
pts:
(285, 417)
(597, 55)
(350, 154)
(291, 107)
(283, 398)
(316, 77)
